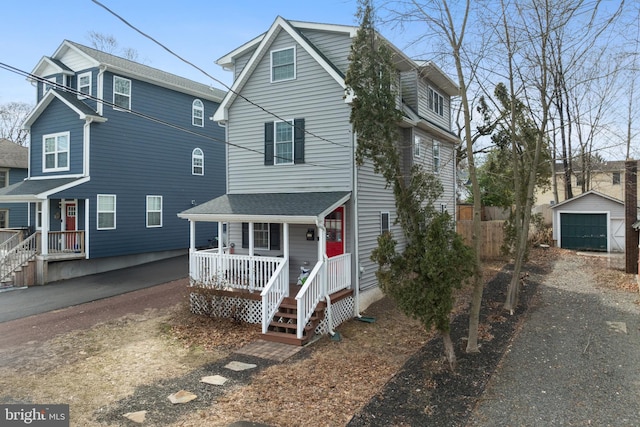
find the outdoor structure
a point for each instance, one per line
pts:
(591, 221)
(297, 209)
(117, 150)
(14, 163)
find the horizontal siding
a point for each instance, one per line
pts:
(314, 96)
(336, 47)
(55, 119)
(594, 203)
(240, 63)
(409, 86)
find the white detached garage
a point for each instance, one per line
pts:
(589, 222)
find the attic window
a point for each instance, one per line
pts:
(283, 64)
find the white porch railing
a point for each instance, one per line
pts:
(337, 272)
(211, 269)
(272, 295)
(63, 242)
(18, 255)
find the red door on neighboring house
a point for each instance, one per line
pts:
(70, 225)
(334, 223)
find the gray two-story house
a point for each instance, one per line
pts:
(302, 218)
(117, 149)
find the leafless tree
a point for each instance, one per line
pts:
(109, 44)
(12, 114)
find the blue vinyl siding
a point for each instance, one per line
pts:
(17, 211)
(132, 157)
(57, 118)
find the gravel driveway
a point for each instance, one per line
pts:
(576, 361)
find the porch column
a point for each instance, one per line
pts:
(285, 237)
(250, 239)
(45, 228)
(220, 242)
(251, 266)
(192, 236)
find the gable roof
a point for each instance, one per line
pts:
(264, 41)
(83, 110)
(129, 68)
(588, 193)
(13, 155)
(35, 190)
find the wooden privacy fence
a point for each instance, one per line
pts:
(492, 237)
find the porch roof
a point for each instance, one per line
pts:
(292, 208)
(36, 190)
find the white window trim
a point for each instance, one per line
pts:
(116, 107)
(56, 168)
(255, 246)
(82, 95)
(275, 143)
(154, 211)
(199, 108)
(435, 151)
(39, 215)
(5, 172)
(6, 218)
(382, 214)
(98, 211)
(295, 64)
(195, 156)
(48, 83)
(417, 147)
(433, 104)
(443, 208)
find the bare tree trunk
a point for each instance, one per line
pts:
(449, 351)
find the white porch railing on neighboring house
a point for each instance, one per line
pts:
(211, 269)
(272, 295)
(18, 255)
(11, 240)
(337, 272)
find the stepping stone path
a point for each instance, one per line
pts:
(136, 417)
(239, 366)
(182, 396)
(214, 380)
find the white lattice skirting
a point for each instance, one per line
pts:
(250, 311)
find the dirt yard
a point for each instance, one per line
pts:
(134, 362)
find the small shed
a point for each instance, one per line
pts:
(591, 221)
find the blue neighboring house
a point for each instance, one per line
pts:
(14, 163)
(117, 149)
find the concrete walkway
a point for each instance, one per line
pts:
(20, 303)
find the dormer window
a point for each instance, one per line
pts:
(84, 84)
(197, 113)
(436, 102)
(283, 64)
(121, 93)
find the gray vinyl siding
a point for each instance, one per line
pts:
(334, 46)
(240, 63)
(409, 85)
(443, 121)
(446, 174)
(315, 96)
(373, 198)
(594, 203)
(57, 118)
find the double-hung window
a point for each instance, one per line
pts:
(265, 235)
(84, 85)
(197, 162)
(436, 102)
(283, 64)
(197, 113)
(4, 218)
(121, 93)
(417, 147)
(106, 211)
(616, 178)
(284, 142)
(55, 152)
(154, 211)
(384, 222)
(436, 156)
(4, 178)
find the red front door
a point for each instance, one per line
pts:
(70, 225)
(334, 223)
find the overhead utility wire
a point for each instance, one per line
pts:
(133, 27)
(139, 114)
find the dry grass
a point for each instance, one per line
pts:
(92, 368)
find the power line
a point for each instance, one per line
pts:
(143, 115)
(136, 29)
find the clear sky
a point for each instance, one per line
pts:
(201, 31)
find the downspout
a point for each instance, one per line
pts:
(356, 240)
(100, 83)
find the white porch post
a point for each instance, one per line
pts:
(45, 228)
(285, 252)
(220, 242)
(250, 239)
(251, 266)
(192, 236)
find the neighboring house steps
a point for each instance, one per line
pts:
(17, 261)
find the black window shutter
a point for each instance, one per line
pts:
(268, 144)
(274, 235)
(245, 234)
(298, 140)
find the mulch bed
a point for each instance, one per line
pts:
(425, 391)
